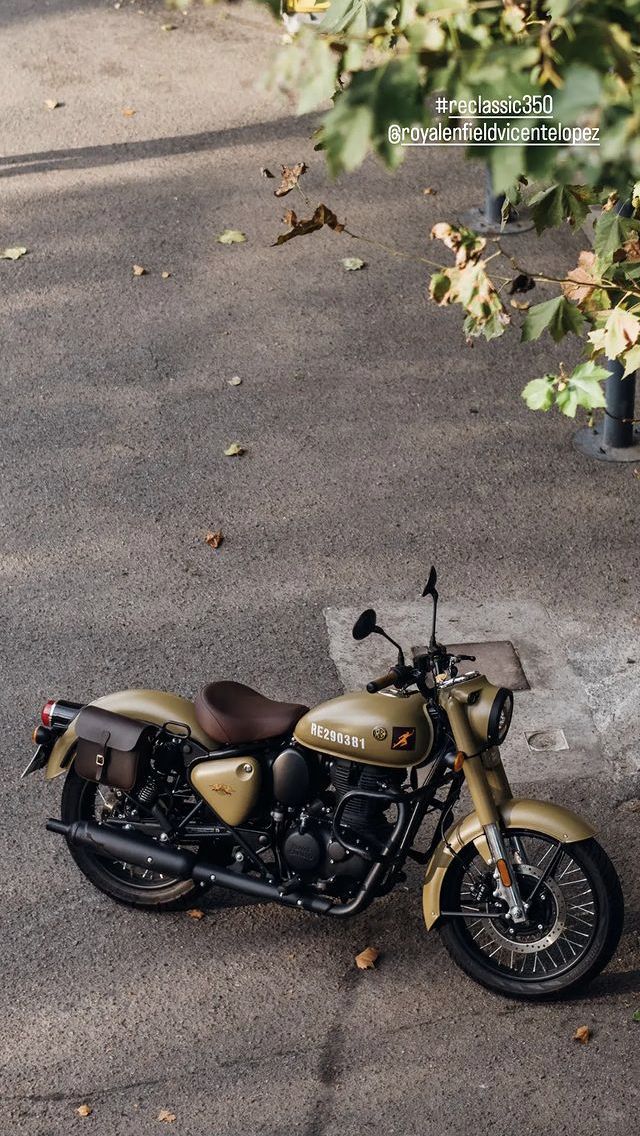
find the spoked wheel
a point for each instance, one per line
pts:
(574, 920)
(126, 883)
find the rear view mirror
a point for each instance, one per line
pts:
(430, 586)
(365, 624)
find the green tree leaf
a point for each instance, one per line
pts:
(558, 203)
(539, 393)
(558, 316)
(318, 78)
(611, 231)
(586, 380)
(341, 14)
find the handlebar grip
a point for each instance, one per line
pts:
(377, 684)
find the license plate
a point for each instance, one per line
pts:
(38, 761)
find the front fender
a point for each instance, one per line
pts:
(155, 706)
(535, 816)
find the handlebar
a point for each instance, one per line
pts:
(377, 684)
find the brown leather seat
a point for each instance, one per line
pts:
(232, 714)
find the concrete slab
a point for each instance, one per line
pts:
(553, 736)
(499, 659)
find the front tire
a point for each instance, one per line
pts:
(573, 928)
(134, 887)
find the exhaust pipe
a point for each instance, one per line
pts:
(135, 848)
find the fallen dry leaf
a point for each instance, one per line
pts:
(51, 104)
(582, 1034)
(165, 275)
(290, 178)
(84, 1110)
(429, 191)
(128, 112)
(235, 381)
(520, 305)
(168, 27)
(13, 253)
(214, 539)
(366, 960)
(235, 450)
(195, 913)
(138, 270)
(167, 1116)
(322, 216)
(231, 237)
(352, 263)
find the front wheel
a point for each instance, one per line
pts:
(575, 913)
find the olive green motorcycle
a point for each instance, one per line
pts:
(321, 810)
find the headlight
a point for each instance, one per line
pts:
(500, 717)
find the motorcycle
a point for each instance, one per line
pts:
(320, 809)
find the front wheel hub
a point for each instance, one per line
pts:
(546, 918)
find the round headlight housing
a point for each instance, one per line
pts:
(500, 716)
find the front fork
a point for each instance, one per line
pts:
(489, 786)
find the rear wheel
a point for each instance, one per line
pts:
(574, 919)
(126, 883)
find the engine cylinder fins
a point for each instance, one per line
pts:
(362, 813)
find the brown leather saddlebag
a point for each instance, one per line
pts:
(109, 747)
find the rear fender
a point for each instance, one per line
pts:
(534, 816)
(155, 706)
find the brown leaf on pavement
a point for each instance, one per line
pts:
(214, 539)
(165, 275)
(84, 1110)
(366, 960)
(166, 1116)
(520, 305)
(290, 178)
(582, 1034)
(429, 191)
(138, 270)
(51, 104)
(195, 913)
(322, 216)
(128, 112)
(235, 450)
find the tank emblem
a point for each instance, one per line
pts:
(220, 787)
(379, 733)
(404, 737)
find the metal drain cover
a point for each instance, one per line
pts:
(547, 741)
(499, 661)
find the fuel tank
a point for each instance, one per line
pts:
(376, 729)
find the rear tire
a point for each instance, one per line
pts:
(154, 893)
(473, 954)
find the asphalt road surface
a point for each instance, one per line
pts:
(376, 442)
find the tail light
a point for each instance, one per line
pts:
(57, 715)
(46, 712)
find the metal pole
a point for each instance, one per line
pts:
(488, 218)
(616, 440)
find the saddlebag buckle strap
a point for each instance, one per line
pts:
(109, 747)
